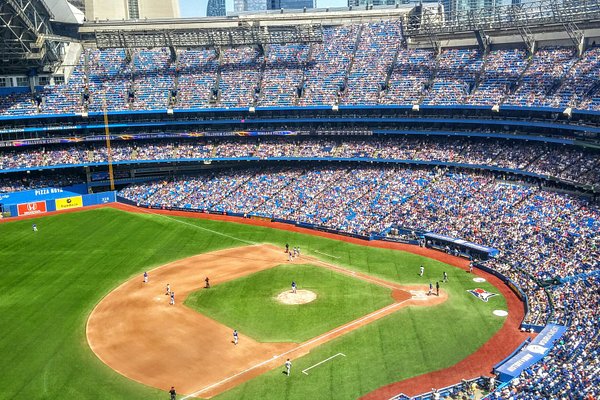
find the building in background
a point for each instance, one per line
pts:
(215, 8)
(359, 3)
(249, 5)
(263, 5)
(131, 9)
(290, 4)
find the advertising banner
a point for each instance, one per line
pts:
(69, 202)
(532, 353)
(36, 207)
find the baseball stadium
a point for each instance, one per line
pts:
(372, 202)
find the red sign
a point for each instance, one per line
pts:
(37, 207)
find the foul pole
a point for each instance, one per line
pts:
(108, 151)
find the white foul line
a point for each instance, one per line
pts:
(325, 254)
(196, 226)
(319, 363)
(358, 321)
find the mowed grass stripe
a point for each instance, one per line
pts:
(50, 282)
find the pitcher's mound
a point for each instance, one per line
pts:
(300, 297)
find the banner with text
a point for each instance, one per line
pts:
(36, 207)
(532, 353)
(69, 202)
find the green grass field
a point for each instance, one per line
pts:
(51, 280)
(254, 297)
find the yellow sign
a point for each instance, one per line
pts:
(69, 202)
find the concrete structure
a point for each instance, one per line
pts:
(130, 9)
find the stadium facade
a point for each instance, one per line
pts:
(131, 9)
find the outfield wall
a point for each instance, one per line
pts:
(54, 199)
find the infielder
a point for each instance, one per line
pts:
(422, 270)
(172, 302)
(168, 292)
(145, 277)
(445, 276)
(235, 337)
(288, 367)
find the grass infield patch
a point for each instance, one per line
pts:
(249, 304)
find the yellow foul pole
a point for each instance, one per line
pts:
(108, 151)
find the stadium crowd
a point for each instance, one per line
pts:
(559, 161)
(356, 64)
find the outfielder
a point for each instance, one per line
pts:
(422, 270)
(34, 227)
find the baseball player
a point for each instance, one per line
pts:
(422, 270)
(145, 277)
(430, 289)
(34, 227)
(288, 367)
(287, 248)
(290, 256)
(471, 267)
(172, 301)
(293, 287)
(235, 337)
(168, 292)
(207, 286)
(173, 393)
(437, 288)
(445, 276)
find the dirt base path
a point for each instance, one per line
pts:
(135, 330)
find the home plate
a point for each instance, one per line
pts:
(500, 313)
(478, 280)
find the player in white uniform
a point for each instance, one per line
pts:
(293, 287)
(34, 227)
(172, 302)
(145, 277)
(288, 367)
(422, 270)
(235, 337)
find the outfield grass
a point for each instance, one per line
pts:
(51, 280)
(243, 303)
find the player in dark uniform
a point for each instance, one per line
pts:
(207, 285)
(173, 393)
(437, 288)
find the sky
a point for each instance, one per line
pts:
(197, 8)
